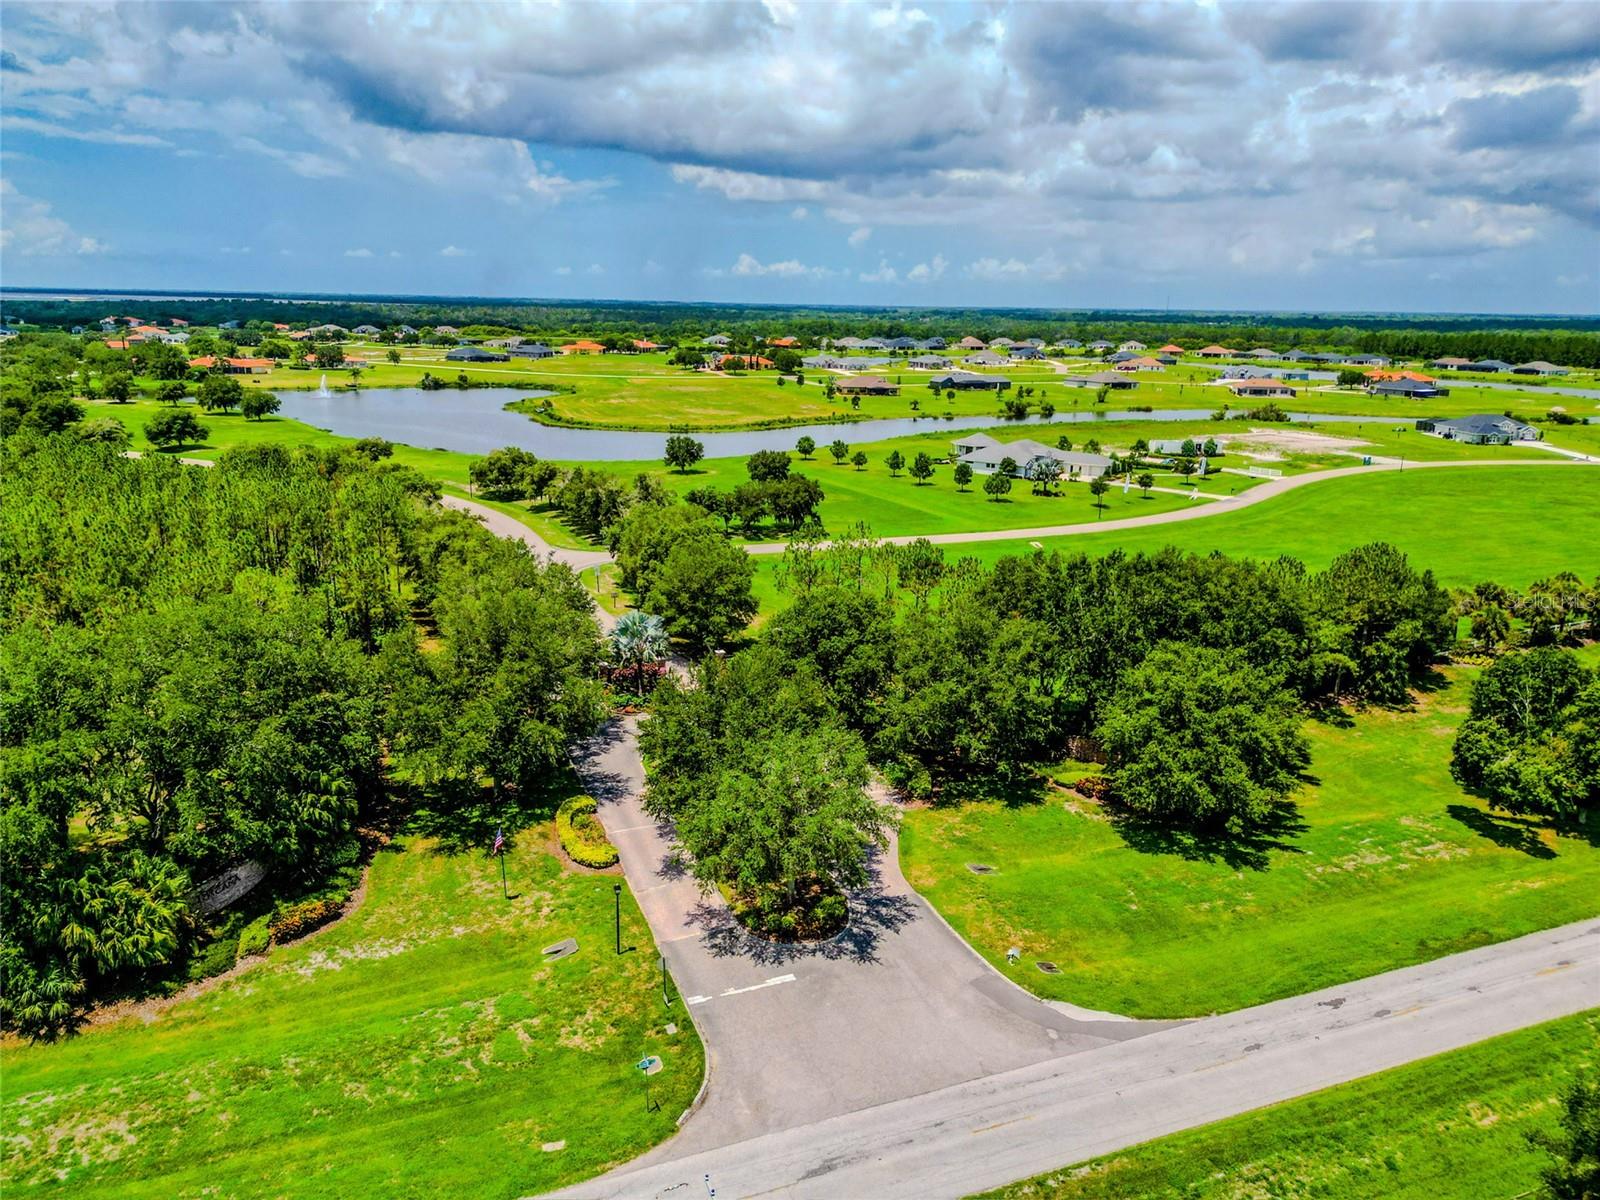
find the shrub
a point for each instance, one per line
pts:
(254, 940)
(582, 836)
(302, 918)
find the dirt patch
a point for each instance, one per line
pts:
(1274, 444)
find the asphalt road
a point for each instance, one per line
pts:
(995, 1130)
(895, 1006)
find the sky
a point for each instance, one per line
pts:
(1307, 156)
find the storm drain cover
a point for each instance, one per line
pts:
(980, 868)
(561, 949)
(1049, 968)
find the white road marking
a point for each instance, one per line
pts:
(754, 987)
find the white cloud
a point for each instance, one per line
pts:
(929, 271)
(800, 212)
(748, 266)
(860, 235)
(29, 227)
(306, 163)
(358, 252)
(563, 271)
(884, 274)
(594, 269)
(233, 249)
(650, 267)
(454, 252)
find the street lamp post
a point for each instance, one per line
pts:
(616, 893)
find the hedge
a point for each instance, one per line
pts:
(303, 918)
(582, 836)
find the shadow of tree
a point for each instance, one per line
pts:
(874, 913)
(465, 818)
(1507, 832)
(1249, 849)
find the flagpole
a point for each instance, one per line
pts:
(504, 892)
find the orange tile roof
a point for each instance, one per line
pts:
(1414, 376)
(250, 362)
(583, 345)
(783, 341)
(207, 361)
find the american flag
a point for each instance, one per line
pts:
(499, 842)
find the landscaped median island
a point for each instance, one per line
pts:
(1455, 1125)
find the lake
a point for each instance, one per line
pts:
(475, 421)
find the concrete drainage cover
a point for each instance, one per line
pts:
(552, 1147)
(980, 868)
(1049, 968)
(561, 949)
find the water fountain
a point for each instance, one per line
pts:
(323, 390)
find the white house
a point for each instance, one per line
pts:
(984, 454)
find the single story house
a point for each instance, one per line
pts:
(1121, 356)
(740, 362)
(928, 362)
(445, 330)
(1144, 363)
(1298, 356)
(1133, 346)
(234, 366)
(1072, 344)
(583, 346)
(1258, 387)
(1247, 373)
(1451, 364)
(1538, 367)
(365, 330)
(784, 343)
(1108, 379)
(1036, 343)
(984, 455)
(1026, 352)
(985, 358)
(833, 362)
(969, 343)
(933, 343)
(1214, 352)
(1333, 360)
(849, 343)
(716, 339)
(1419, 388)
(1001, 344)
(1367, 360)
(645, 346)
(1170, 348)
(475, 354)
(866, 385)
(1260, 352)
(1488, 364)
(967, 380)
(1100, 345)
(900, 344)
(530, 350)
(1482, 430)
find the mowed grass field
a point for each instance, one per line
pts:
(1513, 524)
(420, 1047)
(1454, 1125)
(1386, 862)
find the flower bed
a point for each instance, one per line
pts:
(582, 836)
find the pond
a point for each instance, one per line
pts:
(475, 421)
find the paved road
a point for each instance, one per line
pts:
(895, 1007)
(505, 526)
(993, 1131)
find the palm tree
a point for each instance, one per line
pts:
(637, 639)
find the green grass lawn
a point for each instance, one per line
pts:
(1454, 1125)
(1386, 863)
(421, 1047)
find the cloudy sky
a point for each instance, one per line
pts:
(1441, 156)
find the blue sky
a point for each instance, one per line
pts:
(1311, 156)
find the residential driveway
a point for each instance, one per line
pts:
(505, 526)
(896, 1006)
(993, 1131)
